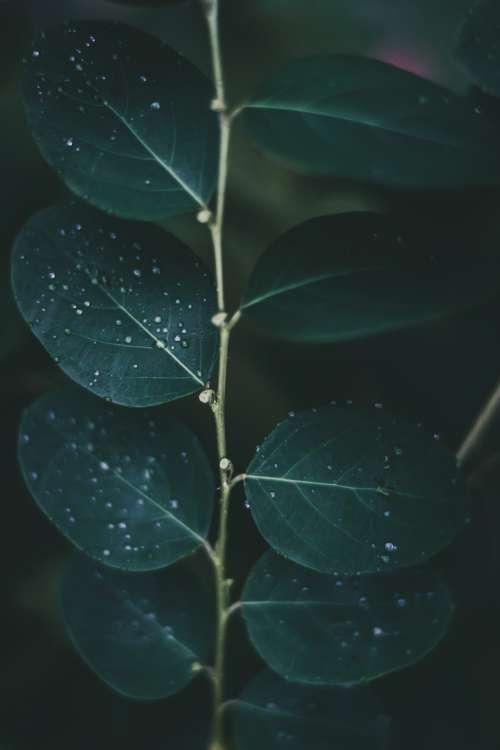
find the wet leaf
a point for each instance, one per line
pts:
(124, 308)
(478, 47)
(329, 630)
(361, 119)
(132, 489)
(349, 275)
(346, 491)
(272, 713)
(142, 634)
(123, 118)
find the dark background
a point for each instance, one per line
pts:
(440, 374)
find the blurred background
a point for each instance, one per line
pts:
(440, 374)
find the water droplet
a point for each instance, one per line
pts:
(155, 105)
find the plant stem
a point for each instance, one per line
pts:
(216, 225)
(480, 427)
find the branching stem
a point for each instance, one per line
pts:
(216, 225)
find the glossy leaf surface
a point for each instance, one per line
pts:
(142, 634)
(124, 308)
(479, 48)
(346, 491)
(349, 275)
(132, 489)
(272, 713)
(124, 119)
(361, 119)
(329, 630)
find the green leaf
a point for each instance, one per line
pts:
(124, 119)
(145, 636)
(124, 308)
(133, 490)
(478, 48)
(346, 491)
(349, 275)
(328, 630)
(272, 713)
(362, 119)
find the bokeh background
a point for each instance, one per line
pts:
(440, 374)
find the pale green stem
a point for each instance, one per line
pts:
(216, 225)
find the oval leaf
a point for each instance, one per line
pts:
(271, 713)
(346, 491)
(478, 48)
(327, 630)
(143, 634)
(340, 277)
(124, 119)
(133, 490)
(362, 119)
(124, 308)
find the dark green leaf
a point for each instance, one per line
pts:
(346, 491)
(362, 119)
(272, 713)
(124, 119)
(328, 630)
(339, 277)
(145, 636)
(479, 47)
(131, 489)
(123, 308)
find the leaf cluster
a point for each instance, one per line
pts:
(352, 503)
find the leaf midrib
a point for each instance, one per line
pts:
(300, 109)
(156, 157)
(124, 310)
(306, 282)
(164, 511)
(331, 485)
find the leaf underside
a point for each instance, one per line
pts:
(365, 120)
(123, 118)
(140, 634)
(124, 308)
(330, 630)
(134, 490)
(340, 277)
(345, 491)
(271, 713)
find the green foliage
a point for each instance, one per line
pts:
(140, 634)
(347, 492)
(353, 498)
(340, 277)
(365, 120)
(271, 712)
(328, 630)
(478, 48)
(132, 489)
(100, 295)
(124, 119)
